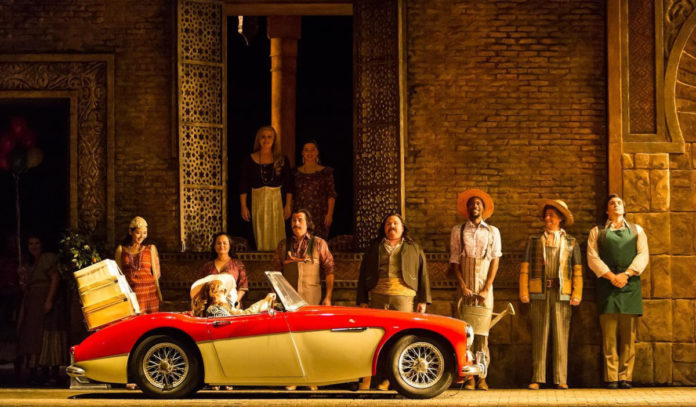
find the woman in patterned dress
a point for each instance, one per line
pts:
(140, 264)
(314, 189)
(223, 260)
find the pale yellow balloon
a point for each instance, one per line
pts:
(34, 157)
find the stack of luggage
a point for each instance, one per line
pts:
(105, 294)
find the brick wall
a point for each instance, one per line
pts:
(139, 34)
(509, 97)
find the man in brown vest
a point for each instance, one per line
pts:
(551, 277)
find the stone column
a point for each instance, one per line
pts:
(284, 31)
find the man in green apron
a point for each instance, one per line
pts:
(475, 249)
(617, 253)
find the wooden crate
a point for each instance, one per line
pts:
(96, 273)
(110, 310)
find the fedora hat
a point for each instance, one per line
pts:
(560, 206)
(464, 197)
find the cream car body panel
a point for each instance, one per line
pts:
(258, 359)
(111, 369)
(212, 369)
(326, 356)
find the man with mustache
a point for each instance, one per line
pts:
(617, 252)
(393, 274)
(306, 260)
(475, 250)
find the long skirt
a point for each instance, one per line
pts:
(31, 325)
(267, 217)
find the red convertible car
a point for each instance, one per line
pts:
(172, 355)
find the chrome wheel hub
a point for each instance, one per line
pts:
(421, 365)
(165, 365)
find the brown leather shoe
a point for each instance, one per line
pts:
(562, 386)
(470, 383)
(481, 385)
(533, 386)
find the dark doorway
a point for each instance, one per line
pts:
(44, 193)
(324, 105)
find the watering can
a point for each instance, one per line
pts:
(481, 318)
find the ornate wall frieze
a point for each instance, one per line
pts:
(88, 76)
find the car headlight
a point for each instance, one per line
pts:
(469, 336)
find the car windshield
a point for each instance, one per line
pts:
(288, 296)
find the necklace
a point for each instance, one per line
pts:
(136, 265)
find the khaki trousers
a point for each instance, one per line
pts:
(550, 313)
(618, 363)
(391, 302)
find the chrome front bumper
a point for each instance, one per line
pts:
(74, 371)
(479, 368)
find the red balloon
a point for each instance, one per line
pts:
(18, 124)
(7, 143)
(28, 138)
(4, 163)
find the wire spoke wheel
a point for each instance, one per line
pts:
(421, 365)
(165, 365)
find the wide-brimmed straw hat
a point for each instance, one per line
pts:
(560, 206)
(464, 197)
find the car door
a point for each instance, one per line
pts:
(333, 347)
(255, 349)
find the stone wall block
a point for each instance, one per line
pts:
(659, 161)
(681, 161)
(659, 190)
(657, 229)
(684, 374)
(684, 321)
(683, 191)
(662, 361)
(627, 161)
(683, 277)
(661, 281)
(642, 160)
(656, 323)
(646, 289)
(683, 230)
(636, 189)
(684, 352)
(643, 370)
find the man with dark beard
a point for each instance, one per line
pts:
(475, 250)
(306, 260)
(393, 274)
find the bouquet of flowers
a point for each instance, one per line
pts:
(75, 252)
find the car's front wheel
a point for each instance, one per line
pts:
(166, 367)
(420, 367)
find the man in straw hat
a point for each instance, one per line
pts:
(617, 252)
(551, 277)
(475, 250)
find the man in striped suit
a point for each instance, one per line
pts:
(551, 278)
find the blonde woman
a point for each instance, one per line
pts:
(266, 179)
